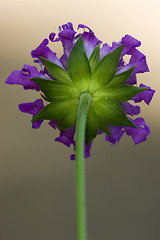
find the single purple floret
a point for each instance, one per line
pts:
(33, 108)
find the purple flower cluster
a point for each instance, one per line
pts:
(67, 36)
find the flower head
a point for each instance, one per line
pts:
(85, 67)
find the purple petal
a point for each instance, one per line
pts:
(100, 132)
(90, 40)
(130, 109)
(66, 136)
(138, 60)
(105, 50)
(117, 133)
(66, 36)
(64, 61)
(125, 68)
(33, 108)
(37, 124)
(138, 135)
(132, 79)
(73, 157)
(146, 96)
(44, 51)
(129, 43)
(87, 150)
(23, 76)
(52, 36)
(53, 124)
(68, 25)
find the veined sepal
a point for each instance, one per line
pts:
(56, 71)
(94, 58)
(79, 67)
(68, 121)
(57, 110)
(105, 70)
(91, 127)
(120, 93)
(110, 112)
(57, 90)
(121, 77)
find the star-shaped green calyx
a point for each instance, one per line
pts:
(87, 76)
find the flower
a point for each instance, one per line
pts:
(87, 67)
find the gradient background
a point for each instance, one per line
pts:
(37, 179)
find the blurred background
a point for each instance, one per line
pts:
(37, 178)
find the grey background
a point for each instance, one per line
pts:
(37, 179)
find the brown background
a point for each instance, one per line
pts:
(37, 182)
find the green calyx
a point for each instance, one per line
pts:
(99, 79)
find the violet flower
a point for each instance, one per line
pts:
(117, 87)
(85, 93)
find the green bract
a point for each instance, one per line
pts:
(93, 76)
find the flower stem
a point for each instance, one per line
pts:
(80, 165)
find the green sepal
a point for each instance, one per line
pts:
(103, 127)
(56, 110)
(56, 90)
(111, 113)
(45, 98)
(94, 58)
(78, 66)
(68, 121)
(56, 71)
(105, 69)
(121, 93)
(121, 77)
(91, 127)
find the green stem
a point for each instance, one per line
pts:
(80, 166)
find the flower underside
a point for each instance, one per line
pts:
(93, 76)
(85, 67)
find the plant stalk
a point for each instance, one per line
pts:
(80, 165)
